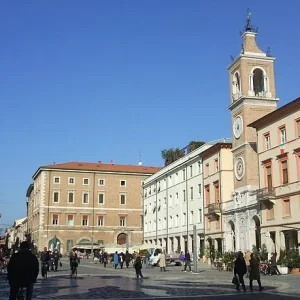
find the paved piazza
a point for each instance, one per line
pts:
(95, 282)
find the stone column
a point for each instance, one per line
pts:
(282, 240)
(175, 243)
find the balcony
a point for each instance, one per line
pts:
(213, 209)
(266, 194)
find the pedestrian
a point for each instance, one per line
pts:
(22, 271)
(181, 258)
(138, 266)
(247, 261)
(254, 271)
(162, 261)
(187, 260)
(240, 270)
(127, 259)
(116, 259)
(104, 255)
(273, 265)
(56, 258)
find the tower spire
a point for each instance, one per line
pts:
(248, 26)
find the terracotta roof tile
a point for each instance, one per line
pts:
(84, 166)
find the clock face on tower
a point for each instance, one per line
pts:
(238, 126)
(239, 168)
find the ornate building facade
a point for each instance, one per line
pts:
(85, 204)
(252, 96)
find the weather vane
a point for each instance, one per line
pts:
(248, 25)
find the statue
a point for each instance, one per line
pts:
(54, 243)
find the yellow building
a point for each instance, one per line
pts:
(218, 186)
(80, 204)
(278, 147)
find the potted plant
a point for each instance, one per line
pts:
(201, 254)
(207, 254)
(283, 263)
(228, 259)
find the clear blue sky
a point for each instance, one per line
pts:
(100, 80)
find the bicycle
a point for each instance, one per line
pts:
(45, 271)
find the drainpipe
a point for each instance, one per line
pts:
(156, 211)
(187, 208)
(49, 196)
(221, 199)
(167, 221)
(93, 218)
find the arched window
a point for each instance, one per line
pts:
(258, 82)
(121, 239)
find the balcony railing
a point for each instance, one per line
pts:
(267, 193)
(213, 208)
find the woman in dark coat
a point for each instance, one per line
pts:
(254, 271)
(138, 266)
(240, 270)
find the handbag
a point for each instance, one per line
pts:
(235, 280)
(60, 264)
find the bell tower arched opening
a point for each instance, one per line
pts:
(258, 82)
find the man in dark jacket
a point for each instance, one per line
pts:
(45, 258)
(22, 271)
(56, 257)
(187, 260)
(240, 270)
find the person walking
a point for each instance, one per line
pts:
(138, 266)
(104, 256)
(273, 265)
(247, 261)
(127, 259)
(162, 261)
(240, 270)
(181, 258)
(254, 271)
(56, 258)
(187, 260)
(22, 271)
(116, 259)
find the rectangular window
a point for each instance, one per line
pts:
(177, 198)
(183, 195)
(207, 195)
(208, 223)
(217, 195)
(269, 176)
(285, 175)
(84, 220)
(216, 165)
(183, 174)
(165, 223)
(282, 132)
(298, 128)
(71, 180)
(206, 170)
(123, 199)
(200, 189)
(191, 217)
(267, 141)
(217, 222)
(55, 220)
(101, 182)
(100, 221)
(170, 201)
(192, 193)
(184, 219)
(71, 197)
(85, 198)
(57, 180)
(70, 220)
(86, 181)
(191, 171)
(170, 222)
(122, 221)
(286, 207)
(165, 202)
(200, 215)
(56, 197)
(177, 221)
(270, 210)
(101, 198)
(199, 167)
(123, 182)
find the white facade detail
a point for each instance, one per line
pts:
(173, 204)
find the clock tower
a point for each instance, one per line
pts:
(252, 96)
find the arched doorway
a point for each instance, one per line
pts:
(257, 232)
(122, 239)
(54, 243)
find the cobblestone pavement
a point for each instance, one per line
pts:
(95, 282)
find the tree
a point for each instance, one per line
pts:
(193, 145)
(171, 155)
